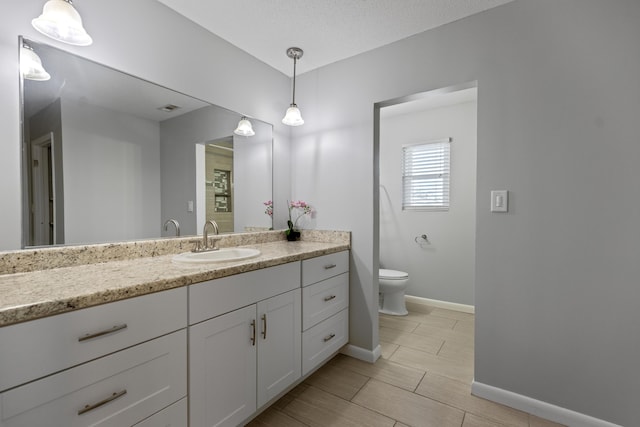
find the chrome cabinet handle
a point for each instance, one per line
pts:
(329, 337)
(330, 266)
(253, 334)
(111, 398)
(264, 326)
(101, 333)
(329, 298)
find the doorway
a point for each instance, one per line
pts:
(435, 246)
(43, 200)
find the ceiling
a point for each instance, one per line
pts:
(327, 30)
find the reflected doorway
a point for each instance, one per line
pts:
(219, 183)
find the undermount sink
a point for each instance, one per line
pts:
(220, 255)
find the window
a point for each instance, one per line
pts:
(425, 175)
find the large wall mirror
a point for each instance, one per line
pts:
(110, 157)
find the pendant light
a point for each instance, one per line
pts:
(293, 116)
(62, 22)
(244, 127)
(31, 65)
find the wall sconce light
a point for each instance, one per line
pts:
(244, 127)
(62, 22)
(31, 65)
(293, 116)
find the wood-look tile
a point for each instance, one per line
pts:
(387, 349)
(428, 362)
(457, 350)
(464, 326)
(453, 314)
(414, 307)
(341, 382)
(274, 418)
(458, 394)
(287, 398)
(399, 424)
(398, 323)
(540, 422)
(431, 320)
(445, 334)
(315, 407)
(406, 407)
(418, 342)
(387, 371)
(471, 420)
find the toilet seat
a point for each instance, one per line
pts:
(392, 274)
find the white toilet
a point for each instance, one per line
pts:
(392, 286)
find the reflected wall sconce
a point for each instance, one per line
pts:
(62, 22)
(244, 127)
(31, 66)
(293, 116)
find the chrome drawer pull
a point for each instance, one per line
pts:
(111, 398)
(329, 298)
(253, 335)
(330, 266)
(101, 333)
(329, 337)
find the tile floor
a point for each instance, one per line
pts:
(423, 379)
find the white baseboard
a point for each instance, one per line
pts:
(441, 304)
(362, 354)
(536, 407)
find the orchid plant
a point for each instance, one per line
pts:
(268, 208)
(298, 209)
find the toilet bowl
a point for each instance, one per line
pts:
(392, 286)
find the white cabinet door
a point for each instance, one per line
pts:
(222, 357)
(279, 344)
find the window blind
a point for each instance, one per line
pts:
(425, 175)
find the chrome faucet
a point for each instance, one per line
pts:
(175, 224)
(205, 235)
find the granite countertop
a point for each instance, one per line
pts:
(30, 295)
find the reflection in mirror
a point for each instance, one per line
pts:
(110, 157)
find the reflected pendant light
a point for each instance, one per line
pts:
(293, 116)
(31, 65)
(244, 127)
(62, 22)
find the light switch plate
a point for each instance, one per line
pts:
(499, 201)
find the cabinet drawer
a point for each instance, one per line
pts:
(320, 268)
(324, 339)
(41, 347)
(324, 299)
(117, 390)
(205, 300)
(173, 416)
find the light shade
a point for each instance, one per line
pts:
(244, 128)
(62, 22)
(293, 116)
(31, 65)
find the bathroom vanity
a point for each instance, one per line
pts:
(147, 342)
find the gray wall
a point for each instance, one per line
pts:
(149, 41)
(110, 159)
(558, 126)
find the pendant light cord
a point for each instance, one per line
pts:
(295, 57)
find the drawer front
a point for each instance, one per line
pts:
(240, 290)
(117, 390)
(41, 347)
(321, 268)
(324, 299)
(323, 340)
(173, 416)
